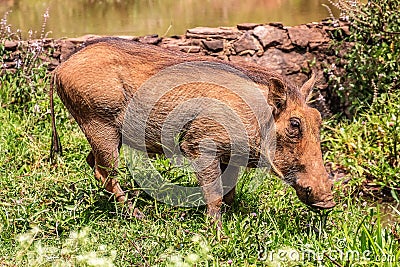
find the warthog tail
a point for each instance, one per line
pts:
(55, 139)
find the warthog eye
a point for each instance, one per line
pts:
(308, 192)
(294, 129)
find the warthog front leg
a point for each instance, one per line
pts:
(217, 179)
(209, 178)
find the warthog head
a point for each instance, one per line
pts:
(298, 153)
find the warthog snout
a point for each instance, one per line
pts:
(316, 193)
(325, 205)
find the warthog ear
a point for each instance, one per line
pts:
(306, 89)
(277, 95)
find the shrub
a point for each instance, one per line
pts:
(368, 145)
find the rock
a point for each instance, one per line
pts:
(67, 47)
(171, 46)
(297, 78)
(127, 37)
(174, 41)
(195, 42)
(216, 33)
(247, 26)
(247, 52)
(270, 35)
(273, 59)
(242, 59)
(11, 45)
(313, 24)
(317, 45)
(260, 52)
(325, 49)
(213, 45)
(150, 39)
(222, 57)
(53, 63)
(339, 31)
(276, 24)
(286, 45)
(284, 63)
(297, 37)
(190, 49)
(185, 42)
(56, 54)
(245, 42)
(303, 36)
(82, 39)
(48, 42)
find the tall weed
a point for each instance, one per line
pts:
(24, 76)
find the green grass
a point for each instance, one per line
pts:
(368, 146)
(58, 215)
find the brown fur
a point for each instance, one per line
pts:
(97, 83)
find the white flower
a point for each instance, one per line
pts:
(24, 238)
(18, 63)
(101, 262)
(192, 258)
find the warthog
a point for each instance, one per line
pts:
(99, 83)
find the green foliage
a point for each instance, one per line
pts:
(26, 89)
(372, 63)
(369, 145)
(24, 86)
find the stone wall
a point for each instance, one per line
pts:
(291, 51)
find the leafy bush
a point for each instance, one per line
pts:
(372, 63)
(368, 144)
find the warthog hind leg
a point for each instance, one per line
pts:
(105, 141)
(105, 153)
